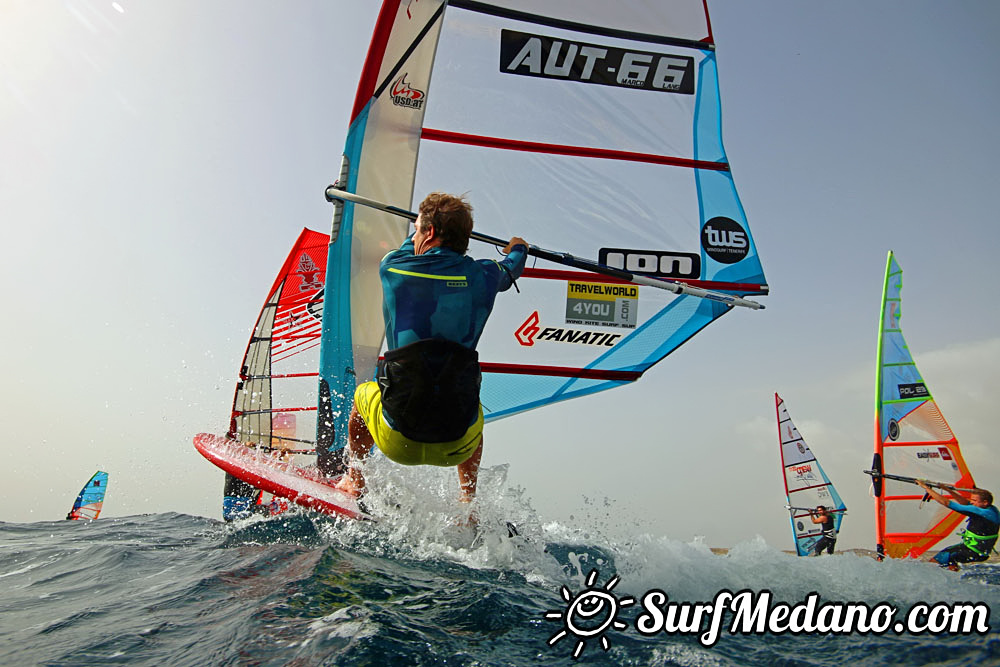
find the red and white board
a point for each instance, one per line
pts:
(302, 486)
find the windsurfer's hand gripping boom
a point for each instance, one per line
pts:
(914, 480)
(813, 509)
(334, 193)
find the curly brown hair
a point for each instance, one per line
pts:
(451, 218)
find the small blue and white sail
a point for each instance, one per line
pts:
(806, 485)
(90, 500)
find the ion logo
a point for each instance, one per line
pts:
(589, 613)
(724, 240)
(660, 263)
(550, 58)
(403, 95)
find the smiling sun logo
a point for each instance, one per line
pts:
(589, 613)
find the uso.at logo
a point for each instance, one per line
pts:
(405, 95)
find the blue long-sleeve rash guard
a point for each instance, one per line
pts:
(442, 294)
(990, 514)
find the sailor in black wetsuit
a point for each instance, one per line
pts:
(829, 539)
(424, 408)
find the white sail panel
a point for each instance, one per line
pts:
(681, 19)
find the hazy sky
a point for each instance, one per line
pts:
(158, 158)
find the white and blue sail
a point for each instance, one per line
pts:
(587, 126)
(806, 484)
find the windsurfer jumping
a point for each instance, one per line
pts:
(981, 532)
(424, 408)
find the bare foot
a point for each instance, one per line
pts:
(473, 520)
(350, 486)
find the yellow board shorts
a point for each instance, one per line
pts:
(399, 448)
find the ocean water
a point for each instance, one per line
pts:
(419, 588)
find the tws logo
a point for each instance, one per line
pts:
(724, 240)
(589, 613)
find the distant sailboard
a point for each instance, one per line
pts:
(912, 441)
(806, 485)
(266, 471)
(90, 500)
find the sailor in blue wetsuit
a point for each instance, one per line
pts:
(424, 407)
(980, 533)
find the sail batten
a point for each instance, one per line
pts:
(560, 149)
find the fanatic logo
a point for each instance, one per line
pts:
(404, 95)
(526, 333)
(589, 613)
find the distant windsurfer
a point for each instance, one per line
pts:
(980, 532)
(424, 408)
(828, 541)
